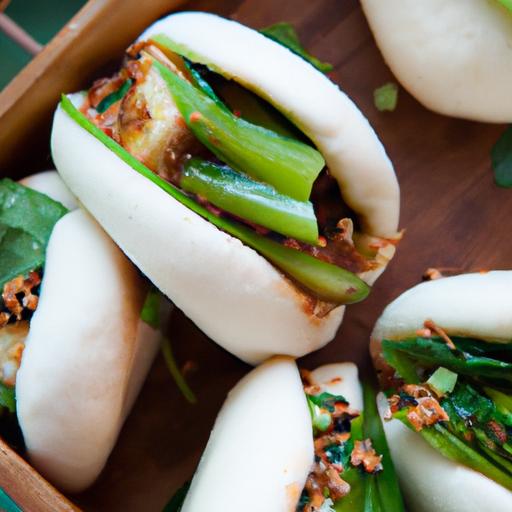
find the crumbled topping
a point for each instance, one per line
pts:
(364, 453)
(18, 296)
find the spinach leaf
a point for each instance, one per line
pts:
(7, 398)
(286, 35)
(501, 157)
(435, 352)
(468, 404)
(178, 499)
(27, 219)
(501, 351)
(401, 363)
(114, 97)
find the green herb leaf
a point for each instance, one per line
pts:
(7, 398)
(178, 499)
(401, 363)
(286, 35)
(151, 309)
(114, 97)
(27, 219)
(442, 381)
(385, 98)
(501, 157)
(326, 281)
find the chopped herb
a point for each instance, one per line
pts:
(501, 157)
(286, 35)
(385, 97)
(176, 503)
(442, 381)
(114, 97)
(27, 219)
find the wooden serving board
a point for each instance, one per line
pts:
(453, 214)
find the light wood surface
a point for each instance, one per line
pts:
(453, 214)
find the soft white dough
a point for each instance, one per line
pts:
(81, 367)
(233, 294)
(477, 305)
(454, 56)
(433, 483)
(349, 386)
(261, 448)
(50, 183)
(352, 150)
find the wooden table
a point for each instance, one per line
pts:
(453, 214)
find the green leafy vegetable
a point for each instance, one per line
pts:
(385, 98)
(286, 35)
(114, 97)
(435, 352)
(7, 398)
(501, 157)
(27, 219)
(178, 499)
(288, 165)
(442, 381)
(324, 280)
(250, 200)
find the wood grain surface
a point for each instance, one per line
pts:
(453, 214)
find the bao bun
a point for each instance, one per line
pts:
(474, 305)
(86, 353)
(260, 451)
(454, 56)
(232, 293)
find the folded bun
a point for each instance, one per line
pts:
(473, 305)
(352, 151)
(50, 184)
(261, 448)
(454, 56)
(229, 291)
(81, 367)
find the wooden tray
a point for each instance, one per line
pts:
(453, 214)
